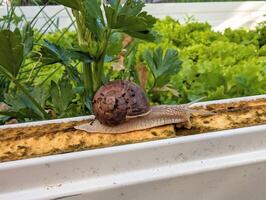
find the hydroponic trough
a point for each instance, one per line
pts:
(228, 164)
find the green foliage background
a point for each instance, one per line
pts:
(215, 65)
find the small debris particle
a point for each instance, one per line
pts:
(47, 165)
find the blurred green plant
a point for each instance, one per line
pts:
(17, 38)
(14, 47)
(96, 29)
(60, 69)
(23, 56)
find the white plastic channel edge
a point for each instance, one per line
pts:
(220, 15)
(220, 165)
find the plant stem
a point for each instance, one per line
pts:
(98, 73)
(88, 81)
(99, 64)
(31, 98)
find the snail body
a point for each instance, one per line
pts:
(158, 116)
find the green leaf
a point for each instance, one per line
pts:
(112, 8)
(115, 45)
(56, 97)
(132, 7)
(22, 108)
(52, 53)
(4, 84)
(131, 23)
(110, 14)
(3, 118)
(162, 66)
(23, 114)
(79, 55)
(41, 95)
(94, 17)
(62, 95)
(11, 51)
(130, 19)
(143, 35)
(27, 38)
(75, 4)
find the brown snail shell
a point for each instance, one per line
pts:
(118, 100)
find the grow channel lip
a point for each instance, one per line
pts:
(89, 174)
(129, 147)
(82, 118)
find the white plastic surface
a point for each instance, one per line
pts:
(220, 15)
(224, 165)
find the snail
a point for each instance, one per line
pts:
(121, 106)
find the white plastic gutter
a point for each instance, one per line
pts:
(224, 165)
